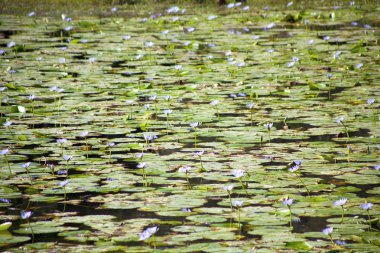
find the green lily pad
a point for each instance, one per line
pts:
(298, 245)
(5, 226)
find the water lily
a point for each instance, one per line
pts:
(294, 168)
(3, 200)
(147, 233)
(194, 127)
(195, 124)
(367, 206)
(31, 97)
(110, 144)
(328, 231)
(7, 123)
(229, 188)
(149, 137)
(149, 44)
(4, 153)
(289, 202)
(62, 60)
(370, 101)
(51, 167)
(186, 170)
(270, 26)
(61, 142)
(127, 37)
(238, 174)
(26, 167)
(215, 103)
(167, 112)
(212, 17)
(366, 26)
(199, 154)
(359, 65)
(63, 185)
(168, 97)
(340, 120)
(140, 155)
(238, 205)
(268, 127)
(67, 157)
(11, 44)
(130, 103)
(83, 134)
(340, 243)
(173, 9)
(142, 165)
(341, 203)
(26, 214)
(68, 28)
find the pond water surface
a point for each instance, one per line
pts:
(230, 130)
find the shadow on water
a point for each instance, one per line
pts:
(328, 137)
(310, 224)
(6, 34)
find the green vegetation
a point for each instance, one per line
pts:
(175, 127)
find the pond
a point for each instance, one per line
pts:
(222, 129)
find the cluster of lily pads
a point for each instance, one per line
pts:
(230, 129)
